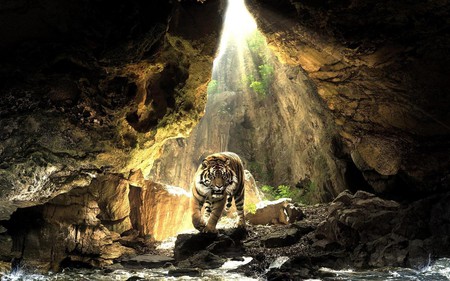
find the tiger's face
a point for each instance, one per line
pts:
(217, 175)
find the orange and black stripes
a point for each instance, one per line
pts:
(218, 180)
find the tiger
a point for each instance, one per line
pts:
(219, 179)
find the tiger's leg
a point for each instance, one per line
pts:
(207, 209)
(239, 202)
(196, 204)
(229, 201)
(216, 213)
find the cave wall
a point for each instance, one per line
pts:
(95, 87)
(380, 69)
(88, 91)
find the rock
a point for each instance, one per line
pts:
(191, 272)
(188, 244)
(114, 203)
(115, 251)
(281, 211)
(228, 244)
(159, 210)
(278, 238)
(6, 246)
(204, 260)
(132, 240)
(377, 232)
(146, 261)
(135, 278)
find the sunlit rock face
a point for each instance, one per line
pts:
(159, 211)
(380, 69)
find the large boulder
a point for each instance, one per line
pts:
(159, 210)
(227, 244)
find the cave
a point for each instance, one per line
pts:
(337, 109)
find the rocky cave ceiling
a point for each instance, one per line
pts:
(95, 87)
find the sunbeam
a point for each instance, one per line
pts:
(241, 51)
(238, 25)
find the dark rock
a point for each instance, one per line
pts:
(236, 234)
(188, 244)
(221, 245)
(303, 227)
(378, 232)
(204, 260)
(276, 275)
(6, 245)
(146, 261)
(135, 278)
(228, 244)
(279, 238)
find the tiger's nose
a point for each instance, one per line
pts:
(219, 188)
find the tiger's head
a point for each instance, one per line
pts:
(217, 175)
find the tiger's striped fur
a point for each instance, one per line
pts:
(219, 179)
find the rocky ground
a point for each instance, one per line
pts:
(360, 231)
(195, 252)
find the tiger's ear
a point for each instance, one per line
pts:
(204, 163)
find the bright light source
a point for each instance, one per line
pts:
(238, 20)
(238, 24)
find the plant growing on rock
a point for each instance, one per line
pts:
(303, 196)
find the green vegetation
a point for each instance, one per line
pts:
(261, 84)
(260, 81)
(304, 195)
(256, 42)
(258, 88)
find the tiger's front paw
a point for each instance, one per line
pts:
(199, 225)
(241, 223)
